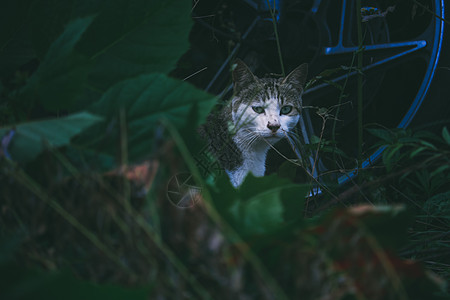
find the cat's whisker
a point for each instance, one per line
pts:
(250, 142)
(295, 137)
(248, 134)
(251, 137)
(243, 138)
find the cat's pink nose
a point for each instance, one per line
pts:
(273, 126)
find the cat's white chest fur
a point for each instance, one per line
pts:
(254, 161)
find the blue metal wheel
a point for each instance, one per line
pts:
(405, 54)
(403, 42)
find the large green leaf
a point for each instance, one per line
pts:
(61, 74)
(29, 138)
(133, 37)
(146, 100)
(261, 205)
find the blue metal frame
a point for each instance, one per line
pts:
(439, 31)
(405, 48)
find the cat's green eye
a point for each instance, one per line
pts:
(258, 109)
(286, 109)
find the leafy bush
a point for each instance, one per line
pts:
(93, 133)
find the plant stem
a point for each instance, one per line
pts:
(338, 109)
(124, 155)
(430, 11)
(123, 138)
(24, 179)
(275, 29)
(229, 232)
(359, 82)
(383, 259)
(155, 236)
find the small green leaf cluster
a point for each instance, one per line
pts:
(418, 174)
(253, 211)
(422, 154)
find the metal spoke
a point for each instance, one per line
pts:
(232, 54)
(416, 45)
(341, 24)
(252, 4)
(315, 6)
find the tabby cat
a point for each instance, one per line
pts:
(261, 112)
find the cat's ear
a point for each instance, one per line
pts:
(297, 77)
(242, 76)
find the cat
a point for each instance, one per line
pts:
(261, 112)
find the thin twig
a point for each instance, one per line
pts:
(275, 29)
(359, 81)
(323, 187)
(431, 12)
(357, 188)
(201, 70)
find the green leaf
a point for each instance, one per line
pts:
(261, 205)
(146, 100)
(62, 73)
(438, 205)
(253, 186)
(391, 155)
(382, 134)
(334, 84)
(427, 144)
(133, 37)
(427, 135)
(417, 151)
(29, 138)
(405, 140)
(440, 170)
(446, 135)
(259, 215)
(314, 139)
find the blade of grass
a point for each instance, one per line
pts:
(22, 177)
(156, 238)
(386, 263)
(359, 81)
(124, 156)
(341, 96)
(229, 232)
(124, 200)
(142, 222)
(275, 29)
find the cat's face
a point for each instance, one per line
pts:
(267, 107)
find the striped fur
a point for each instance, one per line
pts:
(261, 112)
